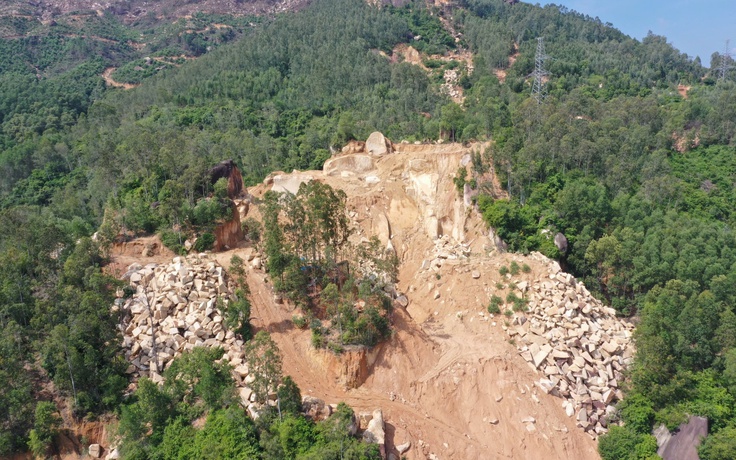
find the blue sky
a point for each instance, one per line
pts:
(695, 27)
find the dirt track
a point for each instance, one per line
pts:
(439, 383)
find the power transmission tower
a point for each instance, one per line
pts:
(726, 60)
(539, 89)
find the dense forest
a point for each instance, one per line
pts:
(631, 156)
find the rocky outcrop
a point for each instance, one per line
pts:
(376, 433)
(682, 444)
(579, 346)
(289, 182)
(354, 147)
(351, 367)
(230, 233)
(355, 163)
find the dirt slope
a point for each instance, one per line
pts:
(447, 381)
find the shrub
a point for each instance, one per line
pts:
(526, 268)
(637, 413)
(495, 306)
(208, 211)
(503, 270)
(518, 304)
(621, 443)
(45, 426)
(237, 265)
(204, 242)
(172, 240)
(252, 229)
(318, 340)
(514, 268)
(335, 348)
(220, 188)
(299, 321)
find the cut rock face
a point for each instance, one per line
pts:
(579, 346)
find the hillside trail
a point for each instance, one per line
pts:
(107, 76)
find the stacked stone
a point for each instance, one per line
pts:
(174, 310)
(578, 344)
(449, 87)
(446, 253)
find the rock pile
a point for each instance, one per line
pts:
(446, 253)
(450, 86)
(174, 309)
(578, 344)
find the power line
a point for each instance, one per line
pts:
(539, 89)
(726, 60)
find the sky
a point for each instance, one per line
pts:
(695, 27)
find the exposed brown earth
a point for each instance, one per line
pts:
(107, 76)
(449, 381)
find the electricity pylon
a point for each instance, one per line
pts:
(539, 89)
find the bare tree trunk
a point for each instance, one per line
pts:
(71, 375)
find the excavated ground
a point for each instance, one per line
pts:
(448, 380)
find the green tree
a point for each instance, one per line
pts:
(621, 443)
(719, 446)
(45, 427)
(264, 363)
(228, 433)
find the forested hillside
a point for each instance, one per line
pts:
(630, 156)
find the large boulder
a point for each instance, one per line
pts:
(378, 145)
(315, 408)
(357, 163)
(683, 444)
(561, 242)
(290, 182)
(95, 451)
(375, 433)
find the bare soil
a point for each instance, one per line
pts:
(447, 380)
(107, 76)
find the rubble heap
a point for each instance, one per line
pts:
(173, 310)
(577, 343)
(446, 252)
